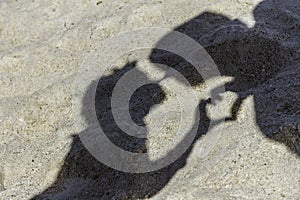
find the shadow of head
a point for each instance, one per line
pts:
(139, 106)
(83, 176)
(257, 59)
(248, 55)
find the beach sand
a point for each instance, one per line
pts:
(43, 45)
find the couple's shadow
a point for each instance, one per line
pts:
(249, 55)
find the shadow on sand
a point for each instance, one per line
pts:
(253, 56)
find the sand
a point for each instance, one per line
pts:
(43, 45)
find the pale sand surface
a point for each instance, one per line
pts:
(43, 43)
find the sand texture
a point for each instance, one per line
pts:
(254, 43)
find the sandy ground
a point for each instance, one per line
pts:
(44, 43)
